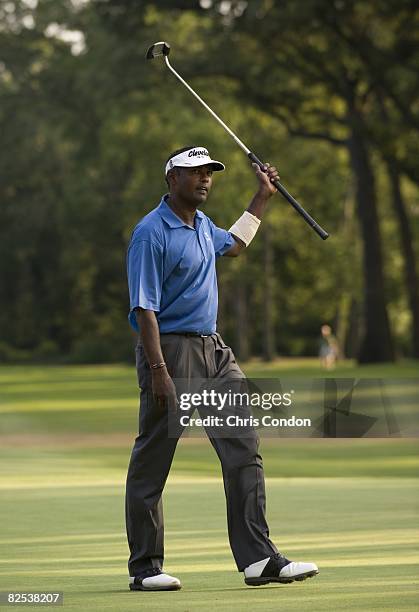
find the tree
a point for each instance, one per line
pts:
(319, 77)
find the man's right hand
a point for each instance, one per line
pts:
(164, 390)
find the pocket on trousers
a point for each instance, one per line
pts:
(221, 341)
(225, 360)
(173, 352)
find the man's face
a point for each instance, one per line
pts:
(192, 185)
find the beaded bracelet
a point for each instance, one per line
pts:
(157, 366)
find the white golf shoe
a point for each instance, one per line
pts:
(154, 580)
(278, 569)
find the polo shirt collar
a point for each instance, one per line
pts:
(170, 217)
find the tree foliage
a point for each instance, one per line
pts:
(326, 91)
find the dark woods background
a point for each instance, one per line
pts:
(327, 91)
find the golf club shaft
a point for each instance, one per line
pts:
(205, 105)
(307, 218)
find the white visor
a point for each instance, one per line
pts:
(192, 158)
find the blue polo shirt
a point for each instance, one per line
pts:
(171, 270)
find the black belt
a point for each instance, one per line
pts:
(187, 334)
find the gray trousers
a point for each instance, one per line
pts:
(192, 357)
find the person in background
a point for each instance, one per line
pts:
(329, 348)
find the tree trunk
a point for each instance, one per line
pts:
(222, 306)
(268, 305)
(242, 323)
(346, 290)
(353, 335)
(376, 345)
(406, 239)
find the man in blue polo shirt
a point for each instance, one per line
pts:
(173, 306)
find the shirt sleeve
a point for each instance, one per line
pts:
(145, 276)
(222, 239)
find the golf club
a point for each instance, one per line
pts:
(163, 49)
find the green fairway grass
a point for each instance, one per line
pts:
(90, 399)
(361, 532)
(308, 366)
(352, 506)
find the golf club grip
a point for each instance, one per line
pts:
(307, 218)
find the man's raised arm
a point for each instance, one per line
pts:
(245, 228)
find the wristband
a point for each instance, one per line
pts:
(246, 227)
(157, 366)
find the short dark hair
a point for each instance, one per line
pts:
(177, 152)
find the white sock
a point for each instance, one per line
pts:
(256, 569)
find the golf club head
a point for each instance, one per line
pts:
(159, 48)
